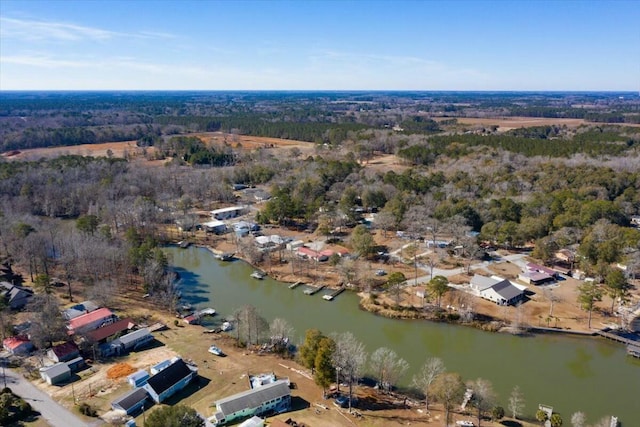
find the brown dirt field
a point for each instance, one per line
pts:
(118, 149)
(509, 123)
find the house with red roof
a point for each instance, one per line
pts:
(108, 332)
(63, 352)
(90, 321)
(17, 345)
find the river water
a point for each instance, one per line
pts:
(569, 373)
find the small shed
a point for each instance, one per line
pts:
(55, 374)
(76, 364)
(138, 379)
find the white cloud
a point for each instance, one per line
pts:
(35, 30)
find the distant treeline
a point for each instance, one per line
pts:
(631, 117)
(36, 137)
(258, 125)
(532, 143)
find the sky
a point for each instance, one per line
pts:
(524, 45)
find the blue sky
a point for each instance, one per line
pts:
(323, 45)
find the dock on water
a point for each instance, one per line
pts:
(332, 295)
(620, 338)
(314, 290)
(633, 350)
(295, 285)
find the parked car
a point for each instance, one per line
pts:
(343, 402)
(381, 272)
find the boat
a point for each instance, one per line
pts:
(226, 256)
(327, 297)
(226, 326)
(207, 312)
(257, 274)
(184, 244)
(215, 350)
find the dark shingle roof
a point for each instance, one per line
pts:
(130, 399)
(506, 290)
(166, 378)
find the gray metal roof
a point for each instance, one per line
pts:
(506, 290)
(253, 398)
(134, 336)
(55, 370)
(483, 282)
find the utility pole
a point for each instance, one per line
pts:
(4, 375)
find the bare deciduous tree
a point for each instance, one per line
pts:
(388, 367)
(47, 323)
(448, 389)
(423, 380)
(483, 398)
(280, 332)
(578, 419)
(350, 358)
(516, 402)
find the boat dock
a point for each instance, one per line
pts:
(295, 285)
(314, 290)
(633, 350)
(615, 337)
(332, 295)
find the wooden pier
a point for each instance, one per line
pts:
(295, 285)
(633, 350)
(332, 295)
(615, 337)
(314, 290)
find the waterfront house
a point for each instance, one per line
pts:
(90, 321)
(63, 352)
(270, 398)
(169, 381)
(496, 289)
(131, 401)
(227, 213)
(215, 227)
(18, 345)
(55, 374)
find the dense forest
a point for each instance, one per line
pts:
(40, 119)
(549, 187)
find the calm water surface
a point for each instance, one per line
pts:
(571, 374)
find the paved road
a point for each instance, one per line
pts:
(52, 412)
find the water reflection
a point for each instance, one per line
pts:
(572, 374)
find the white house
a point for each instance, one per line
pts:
(227, 213)
(215, 226)
(270, 398)
(501, 291)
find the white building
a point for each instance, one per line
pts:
(228, 213)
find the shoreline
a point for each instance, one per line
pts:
(489, 325)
